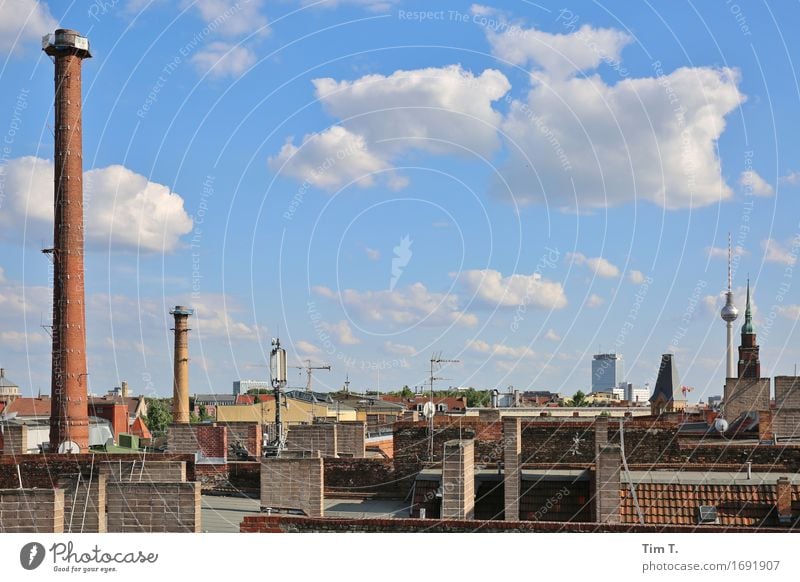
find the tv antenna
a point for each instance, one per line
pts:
(430, 408)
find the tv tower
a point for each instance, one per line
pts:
(729, 314)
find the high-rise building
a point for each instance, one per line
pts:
(242, 386)
(635, 395)
(607, 372)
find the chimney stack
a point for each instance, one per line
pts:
(180, 385)
(69, 415)
(124, 389)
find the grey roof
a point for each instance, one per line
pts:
(309, 396)
(214, 399)
(5, 382)
(667, 384)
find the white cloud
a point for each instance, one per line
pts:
(594, 301)
(755, 184)
(598, 265)
(373, 254)
(400, 349)
(577, 142)
(329, 160)
(561, 55)
(790, 311)
(233, 17)
(306, 348)
(552, 335)
(792, 178)
(2, 275)
(713, 303)
(23, 23)
(636, 277)
(411, 305)
(481, 10)
(722, 252)
(18, 338)
(492, 287)
(221, 59)
(371, 5)
(501, 350)
(342, 331)
(776, 252)
(122, 208)
(437, 110)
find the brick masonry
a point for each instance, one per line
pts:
(210, 440)
(786, 416)
(31, 510)
(247, 433)
(15, 439)
(311, 438)
(512, 449)
(293, 484)
(360, 478)
(458, 480)
(143, 471)
(607, 484)
(745, 395)
(351, 439)
(84, 504)
(153, 507)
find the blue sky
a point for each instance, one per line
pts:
(512, 184)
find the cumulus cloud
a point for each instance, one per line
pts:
(790, 311)
(437, 110)
(722, 252)
(399, 349)
(307, 348)
(552, 335)
(578, 142)
(755, 184)
(232, 17)
(122, 208)
(23, 23)
(221, 59)
(777, 252)
(373, 254)
(500, 350)
(598, 265)
(636, 277)
(371, 5)
(594, 301)
(792, 178)
(408, 306)
(491, 287)
(341, 331)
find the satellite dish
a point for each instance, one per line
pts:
(428, 410)
(69, 447)
(721, 425)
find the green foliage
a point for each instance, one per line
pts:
(204, 415)
(259, 391)
(158, 417)
(579, 399)
(407, 392)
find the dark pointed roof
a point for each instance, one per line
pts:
(668, 384)
(747, 328)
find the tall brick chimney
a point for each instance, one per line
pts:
(180, 383)
(69, 415)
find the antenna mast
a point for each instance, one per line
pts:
(436, 364)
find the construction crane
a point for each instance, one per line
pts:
(309, 370)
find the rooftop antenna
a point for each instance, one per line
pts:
(430, 408)
(277, 366)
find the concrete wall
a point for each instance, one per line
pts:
(84, 504)
(31, 510)
(311, 438)
(153, 507)
(293, 484)
(745, 395)
(351, 439)
(143, 471)
(15, 439)
(458, 480)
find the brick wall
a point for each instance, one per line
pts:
(292, 524)
(15, 439)
(458, 480)
(84, 504)
(247, 433)
(311, 438)
(745, 395)
(350, 439)
(607, 484)
(293, 484)
(512, 440)
(31, 510)
(44, 470)
(786, 417)
(360, 478)
(143, 471)
(211, 440)
(153, 507)
(384, 446)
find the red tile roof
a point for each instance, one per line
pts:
(30, 407)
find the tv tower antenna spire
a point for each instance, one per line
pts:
(729, 314)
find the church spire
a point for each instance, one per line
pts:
(747, 328)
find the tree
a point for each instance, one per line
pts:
(579, 399)
(406, 392)
(204, 415)
(158, 417)
(254, 391)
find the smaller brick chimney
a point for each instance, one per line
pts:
(783, 496)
